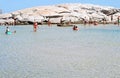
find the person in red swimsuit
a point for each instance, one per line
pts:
(35, 26)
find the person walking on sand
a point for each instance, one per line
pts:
(35, 26)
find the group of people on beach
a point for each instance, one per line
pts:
(35, 27)
(35, 24)
(102, 21)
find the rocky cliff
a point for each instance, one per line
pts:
(65, 12)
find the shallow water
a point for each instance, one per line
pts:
(60, 52)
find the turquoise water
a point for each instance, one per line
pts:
(60, 52)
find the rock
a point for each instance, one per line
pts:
(3, 16)
(110, 12)
(68, 12)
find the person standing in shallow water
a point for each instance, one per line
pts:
(49, 22)
(7, 30)
(35, 26)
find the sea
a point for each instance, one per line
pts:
(60, 52)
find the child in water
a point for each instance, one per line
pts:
(7, 30)
(35, 26)
(75, 27)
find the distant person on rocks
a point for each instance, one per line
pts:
(61, 21)
(118, 20)
(84, 21)
(111, 18)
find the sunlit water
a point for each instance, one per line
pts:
(60, 52)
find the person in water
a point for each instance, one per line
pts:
(49, 22)
(75, 27)
(35, 26)
(7, 30)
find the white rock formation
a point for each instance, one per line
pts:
(73, 12)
